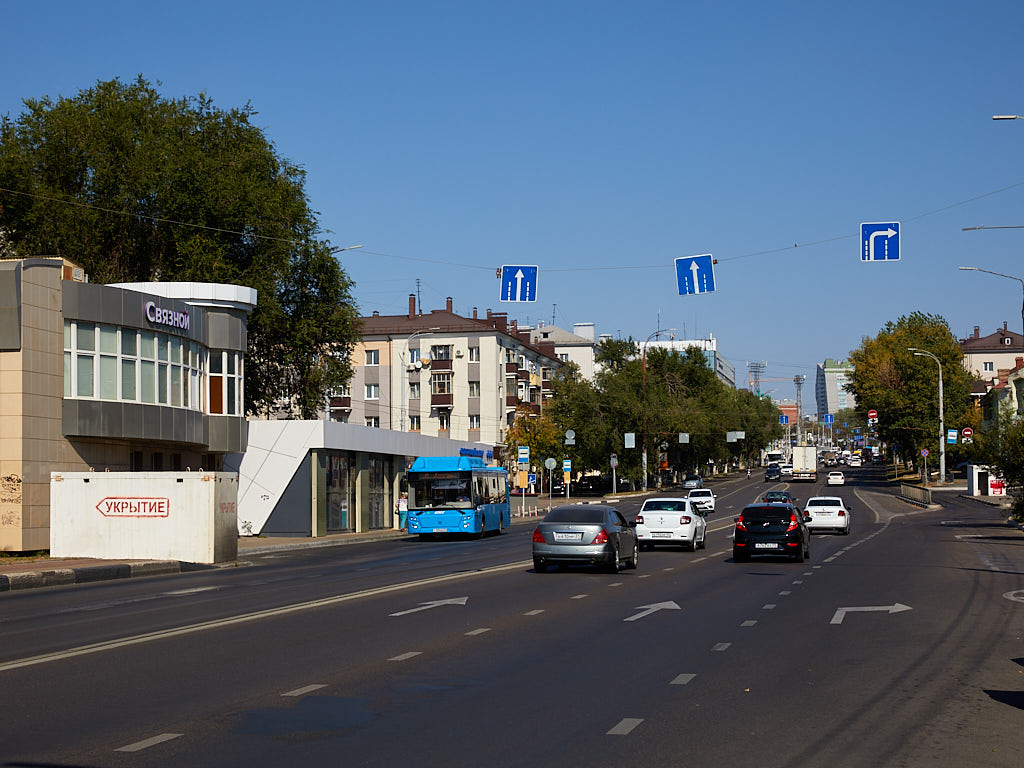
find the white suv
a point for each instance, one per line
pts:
(827, 513)
(702, 499)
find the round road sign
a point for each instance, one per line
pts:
(872, 414)
(924, 451)
(550, 463)
(967, 432)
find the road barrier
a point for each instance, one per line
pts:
(916, 494)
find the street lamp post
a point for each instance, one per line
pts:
(405, 373)
(942, 424)
(1009, 277)
(643, 436)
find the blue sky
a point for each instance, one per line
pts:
(602, 140)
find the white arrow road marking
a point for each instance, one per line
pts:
(647, 610)
(433, 604)
(1016, 595)
(879, 233)
(840, 613)
(694, 269)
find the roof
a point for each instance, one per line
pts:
(994, 342)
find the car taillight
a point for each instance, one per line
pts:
(639, 519)
(740, 525)
(841, 513)
(792, 523)
(684, 520)
(601, 538)
(538, 537)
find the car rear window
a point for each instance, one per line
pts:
(696, 494)
(766, 513)
(575, 515)
(666, 506)
(823, 503)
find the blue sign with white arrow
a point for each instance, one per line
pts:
(880, 241)
(518, 283)
(695, 274)
(829, 418)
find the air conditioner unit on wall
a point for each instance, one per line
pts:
(458, 353)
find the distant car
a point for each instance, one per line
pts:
(778, 497)
(587, 486)
(585, 534)
(702, 498)
(836, 478)
(773, 474)
(786, 469)
(854, 461)
(827, 513)
(671, 521)
(771, 529)
(693, 480)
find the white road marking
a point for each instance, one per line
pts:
(432, 604)
(405, 656)
(749, 623)
(192, 591)
(480, 631)
(840, 613)
(534, 612)
(626, 725)
(255, 616)
(615, 584)
(668, 569)
(577, 597)
(305, 690)
(647, 610)
(767, 606)
(682, 679)
(808, 573)
(830, 559)
(797, 581)
(138, 746)
(645, 576)
(815, 567)
(785, 592)
(721, 647)
(1016, 595)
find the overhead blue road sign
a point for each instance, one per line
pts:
(518, 283)
(829, 418)
(695, 274)
(880, 241)
(783, 419)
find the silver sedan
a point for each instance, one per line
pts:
(585, 534)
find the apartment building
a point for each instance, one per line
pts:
(985, 356)
(830, 387)
(444, 375)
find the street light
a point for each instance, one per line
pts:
(405, 372)
(643, 436)
(344, 248)
(1010, 277)
(942, 424)
(1008, 117)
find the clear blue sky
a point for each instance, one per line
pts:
(602, 140)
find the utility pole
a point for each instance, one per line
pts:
(799, 381)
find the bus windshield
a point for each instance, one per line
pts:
(432, 490)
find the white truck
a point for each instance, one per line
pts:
(805, 463)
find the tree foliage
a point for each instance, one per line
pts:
(903, 387)
(133, 186)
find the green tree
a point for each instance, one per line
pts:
(133, 186)
(903, 388)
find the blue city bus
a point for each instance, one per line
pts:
(457, 494)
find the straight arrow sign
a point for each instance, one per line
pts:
(433, 604)
(647, 610)
(840, 613)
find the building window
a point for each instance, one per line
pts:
(373, 391)
(414, 423)
(414, 390)
(510, 355)
(443, 421)
(474, 354)
(474, 389)
(440, 384)
(373, 357)
(441, 352)
(474, 421)
(373, 421)
(226, 382)
(988, 366)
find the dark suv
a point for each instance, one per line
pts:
(773, 473)
(771, 529)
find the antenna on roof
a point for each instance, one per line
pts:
(553, 308)
(419, 302)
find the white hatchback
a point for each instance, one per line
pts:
(827, 513)
(670, 521)
(836, 478)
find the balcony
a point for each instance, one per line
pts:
(522, 374)
(442, 401)
(511, 367)
(341, 402)
(511, 401)
(440, 365)
(531, 408)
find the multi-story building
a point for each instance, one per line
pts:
(724, 370)
(985, 356)
(445, 375)
(576, 347)
(830, 387)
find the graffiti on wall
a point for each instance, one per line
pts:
(10, 500)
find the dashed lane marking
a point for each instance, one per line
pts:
(406, 656)
(749, 623)
(767, 606)
(682, 679)
(785, 592)
(534, 612)
(577, 597)
(479, 631)
(303, 691)
(138, 746)
(626, 725)
(721, 647)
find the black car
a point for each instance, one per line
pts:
(773, 474)
(771, 529)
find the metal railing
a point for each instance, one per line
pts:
(916, 493)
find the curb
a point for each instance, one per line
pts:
(11, 582)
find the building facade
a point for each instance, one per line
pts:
(445, 375)
(147, 377)
(578, 346)
(830, 387)
(985, 356)
(724, 370)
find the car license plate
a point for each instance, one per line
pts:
(765, 545)
(661, 534)
(562, 536)
(440, 530)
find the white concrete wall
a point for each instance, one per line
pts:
(188, 516)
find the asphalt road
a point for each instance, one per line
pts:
(455, 653)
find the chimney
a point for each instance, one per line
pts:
(376, 313)
(1004, 325)
(474, 313)
(412, 305)
(448, 304)
(488, 314)
(977, 332)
